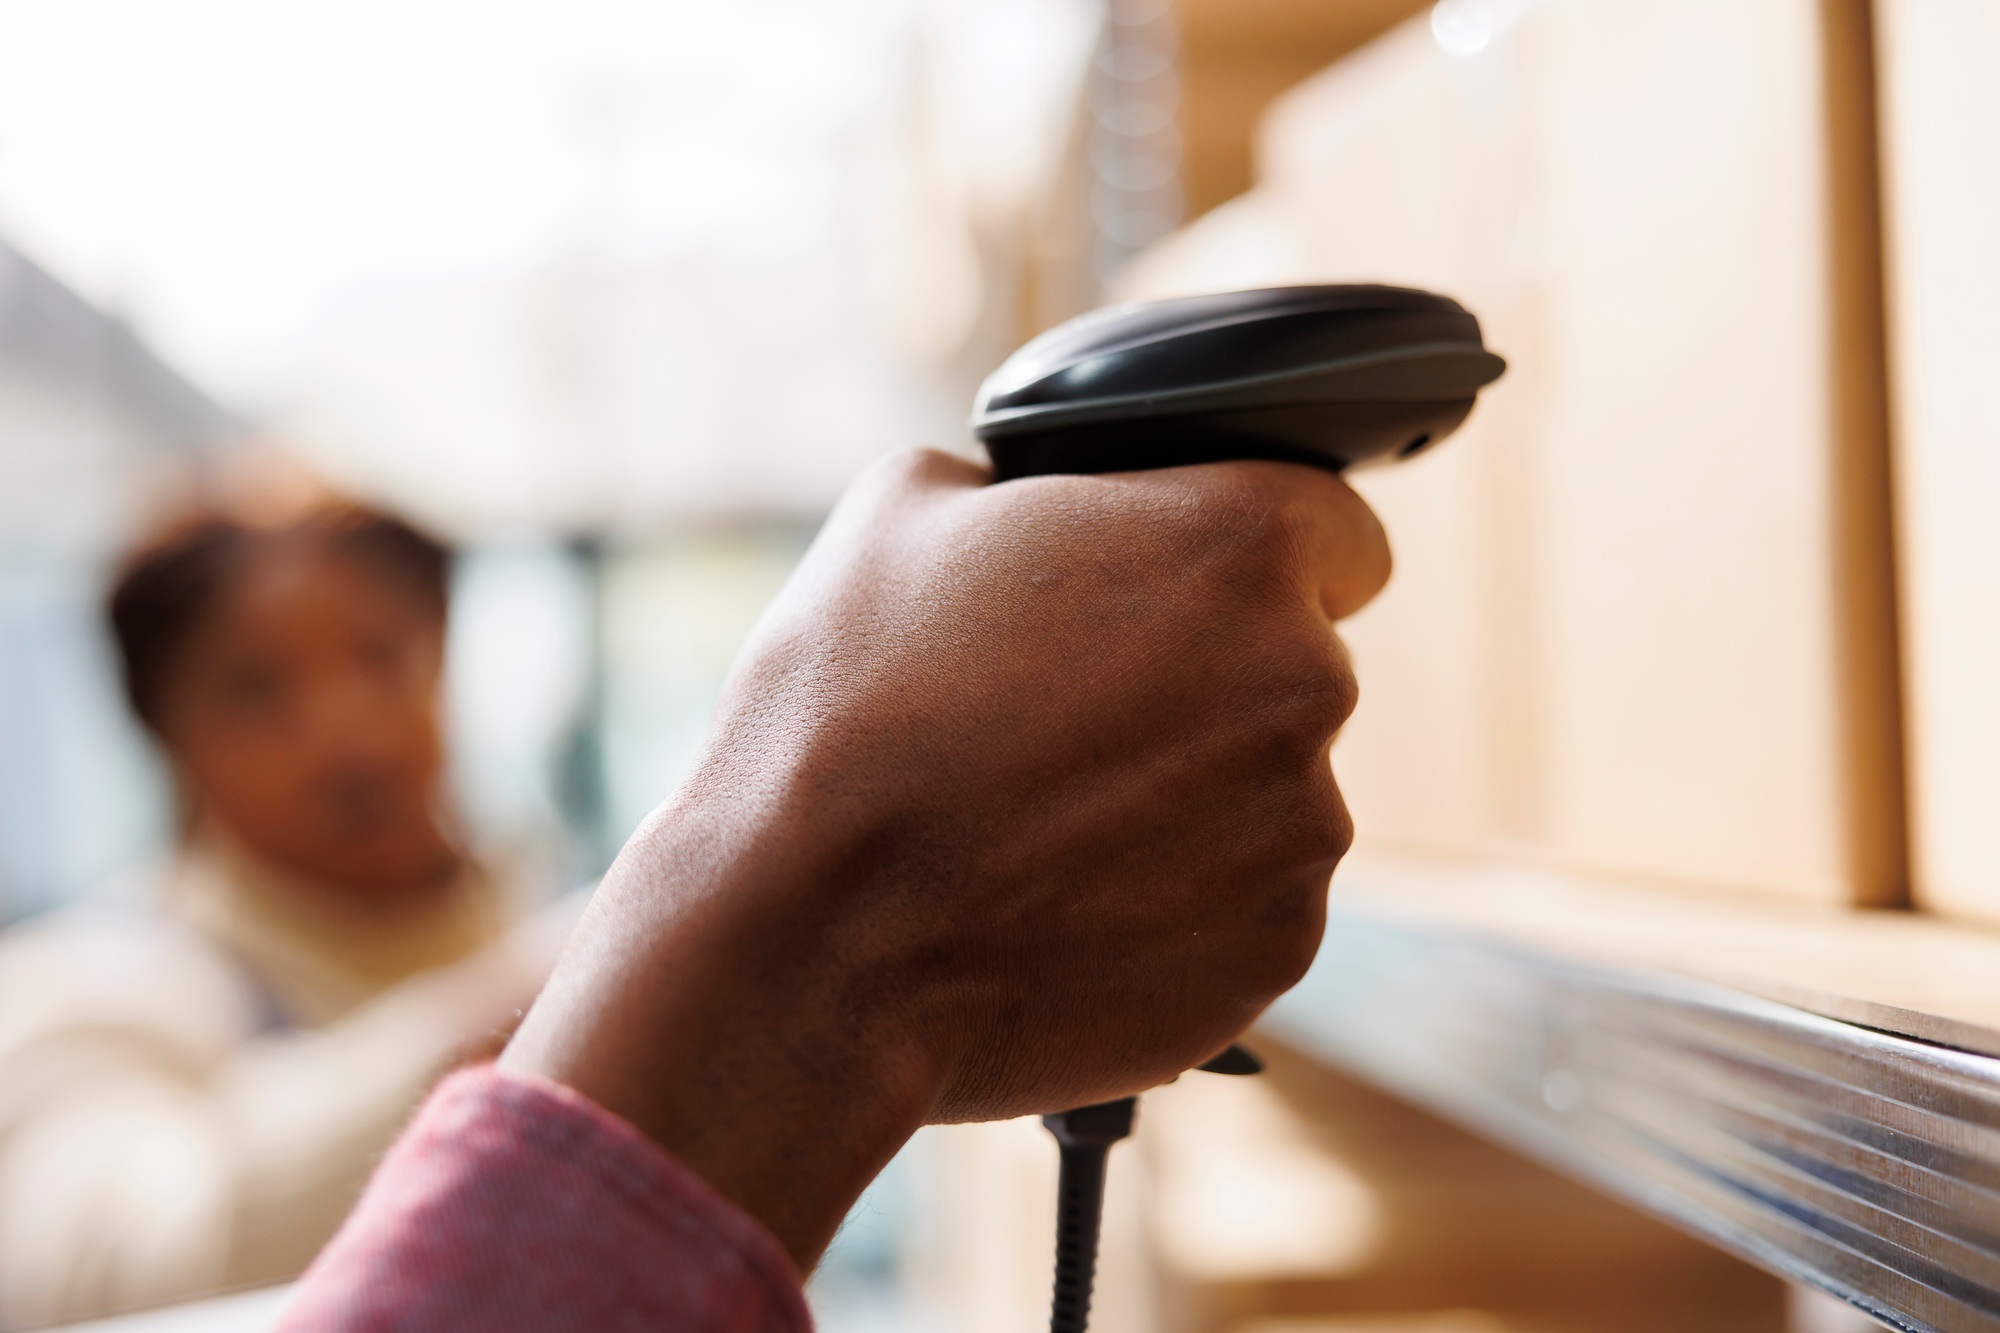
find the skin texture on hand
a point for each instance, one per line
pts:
(1018, 799)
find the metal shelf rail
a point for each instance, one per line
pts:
(1863, 1163)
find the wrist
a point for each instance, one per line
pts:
(707, 999)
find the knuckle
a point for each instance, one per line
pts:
(1285, 532)
(1311, 835)
(1333, 689)
(1325, 829)
(1313, 693)
(1338, 829)
(1291, 963)
(1296, 911)
(1295, 922)
(1257, 523)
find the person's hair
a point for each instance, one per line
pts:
(169, 582)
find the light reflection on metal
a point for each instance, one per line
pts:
(1865, 1164)
(1134, 141)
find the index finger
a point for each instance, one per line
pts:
(1345, 548)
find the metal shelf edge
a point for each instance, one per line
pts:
(1863, 1163)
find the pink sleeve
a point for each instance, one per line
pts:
(512, 1203)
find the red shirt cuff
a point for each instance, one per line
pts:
(515, 1203)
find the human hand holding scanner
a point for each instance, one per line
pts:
(1326, 376)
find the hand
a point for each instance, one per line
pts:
(1018, 799)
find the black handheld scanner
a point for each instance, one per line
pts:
(1331, 376)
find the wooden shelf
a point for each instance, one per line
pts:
(1816, 1091)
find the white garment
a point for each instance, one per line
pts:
(159, 1137)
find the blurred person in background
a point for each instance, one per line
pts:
(194, 1086)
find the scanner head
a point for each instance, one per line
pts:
(1330, 375)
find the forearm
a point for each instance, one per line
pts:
(745, 1040)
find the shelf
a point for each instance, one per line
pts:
(1815, 1091)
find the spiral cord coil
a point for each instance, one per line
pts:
(1085, 1136)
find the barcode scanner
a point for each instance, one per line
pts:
(1330, 377)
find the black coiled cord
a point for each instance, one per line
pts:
(1085, 1136)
